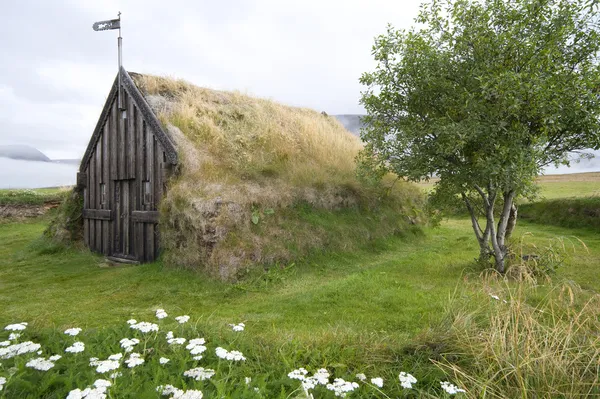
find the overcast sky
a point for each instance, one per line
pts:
(55, 71)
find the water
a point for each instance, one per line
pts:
(29, 174)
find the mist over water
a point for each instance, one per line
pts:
(30, 174)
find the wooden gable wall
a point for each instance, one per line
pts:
(125, 170)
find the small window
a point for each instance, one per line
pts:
(147, 193)
(102, 194)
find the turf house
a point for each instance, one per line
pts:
(225, 183)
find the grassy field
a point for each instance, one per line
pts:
(350, 313)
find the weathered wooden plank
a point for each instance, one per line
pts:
(145, 216)
(114, 141)
(86, 204)
(118, 221)
(92, 182)
(140, 173)
(106, 182)
(122, 146)
(98, 202)
(81, 179)
(149, 253)
(150, 167)
(97, 214)
(131, 142)
(125, 217)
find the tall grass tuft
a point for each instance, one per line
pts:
(525, 341)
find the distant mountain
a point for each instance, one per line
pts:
(352, 122)
(23, 152)
(67, 161)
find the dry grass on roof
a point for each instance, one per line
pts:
(247, 138)
(263, 183)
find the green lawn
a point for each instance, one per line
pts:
(359, 312)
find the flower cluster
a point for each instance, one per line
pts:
(2, 382)
(451, 388)
(16, 327)
(143, 326)
(227, 355)
(18, 349)
(104, 366)
(177, 393)
(40, 363)
(73, 331)
(164, 360)
(171, 340)
(378, 382)
(196, 347)
(238, 327)
(182, 319)
(76, 347)
(161, 314)
(407, 380)
(14, 336)
(341, 388)
(97, 392)
(128, 344)
(135, 359)
(199, 373)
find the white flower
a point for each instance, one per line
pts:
(450, 388)
(98, 392)
(182, 319)
(115, 375)
(197, 341)
(407, 380)
(4, 343)
(131, 321)
(176, 341)
(178, 393)
(40, 364)
(161, 314)
(14, 336)
(76, 347)
(104, 366)
(169, 335)
(361, 377)
(248, 380)
(238, 327)
(18, 349)
(2, 382)
(377, 382)
(100, 383)
(135, 359)
(128, 344)
(163, 360)
(225, 354)
(341, 388)
(199, 373)
(54, 358)
(298, 374)
(73, 331)
(196, 346)
(144, 326)
(199, 357)
(16, 327)
(116, 356)
(496, 297)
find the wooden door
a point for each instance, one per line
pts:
(123, 235)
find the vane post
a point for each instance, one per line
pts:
(120, 44)
(109, 25)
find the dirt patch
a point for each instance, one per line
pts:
(25, 211)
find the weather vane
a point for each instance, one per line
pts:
(109, 25)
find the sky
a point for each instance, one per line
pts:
(55, 71)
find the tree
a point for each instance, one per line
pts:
(484, 94)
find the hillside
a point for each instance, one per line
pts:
(22, 152)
